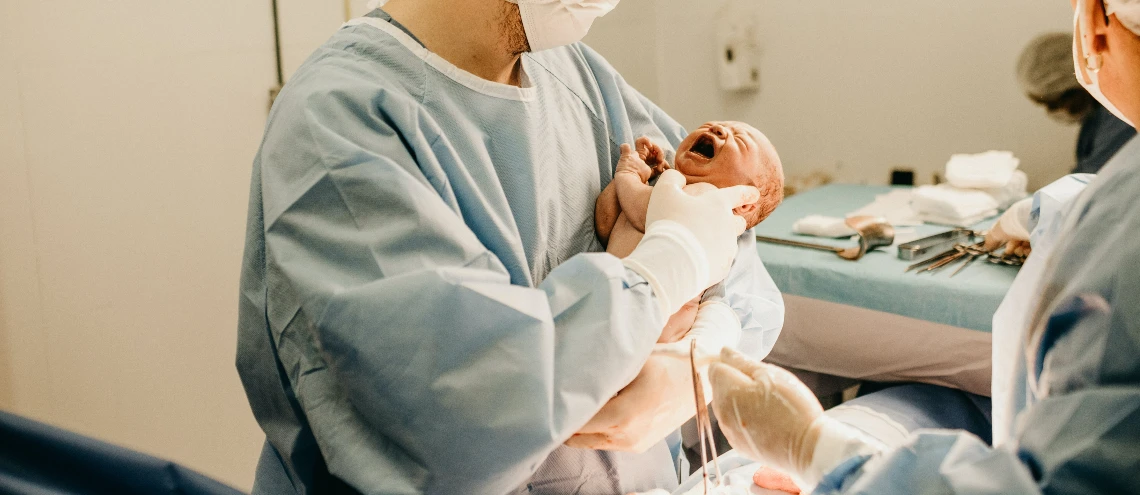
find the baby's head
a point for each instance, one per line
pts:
(728, 154)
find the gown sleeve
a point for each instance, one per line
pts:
(417, 323)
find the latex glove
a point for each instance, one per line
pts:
(651, 407)
(770, 416)
(1011, 230)
(690, 241)
(715, 328)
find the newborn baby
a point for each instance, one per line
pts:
(718, 154)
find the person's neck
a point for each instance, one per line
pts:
(468, 34)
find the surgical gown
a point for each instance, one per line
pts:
(424, 307)
(1078, 427)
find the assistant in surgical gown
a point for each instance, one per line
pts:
(1077, 428)
(417, 314)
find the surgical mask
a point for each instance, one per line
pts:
(554, 23)
(1088, 77)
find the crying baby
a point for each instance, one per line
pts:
(718, 154)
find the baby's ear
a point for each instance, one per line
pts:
(747, 209)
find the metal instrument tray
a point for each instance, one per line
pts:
(938, 243)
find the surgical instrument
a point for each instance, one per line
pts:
(933, 259)
(973, 252)
(936, 243)
(961, 251)
(1006, 259)
(873, 232)
(704, 423)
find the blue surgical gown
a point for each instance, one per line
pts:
(1078, 428)
(424, 307)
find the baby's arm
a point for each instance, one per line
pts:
(633, 197)
(632, 177)
(606, 212)
(627, 193)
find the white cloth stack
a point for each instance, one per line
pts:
(948, 205)
(978, 186)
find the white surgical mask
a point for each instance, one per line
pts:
(1088, 78)
(554, 23)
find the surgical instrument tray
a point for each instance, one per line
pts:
(934, 244)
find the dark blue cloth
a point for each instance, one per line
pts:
(39, 459)
(922, 406)
(1102, 135)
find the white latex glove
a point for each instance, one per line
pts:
(715, 328)
(770, 416)
(690, 241)
(1012, 230)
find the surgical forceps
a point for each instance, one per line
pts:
(950, 256)
(704, 423)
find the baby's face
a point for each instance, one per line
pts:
(727, 154)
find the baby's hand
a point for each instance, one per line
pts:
(631, 163)
(652, 155)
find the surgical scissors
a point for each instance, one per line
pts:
(704, 423)
(973, 252)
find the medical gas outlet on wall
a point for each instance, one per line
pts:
(738, 44)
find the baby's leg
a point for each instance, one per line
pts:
(680, 323)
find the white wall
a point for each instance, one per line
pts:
(857, 88)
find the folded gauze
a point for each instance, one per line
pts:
(952, 205)
(989, 170)
(821, 226)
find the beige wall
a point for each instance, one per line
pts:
(128, 129)
(629, 39)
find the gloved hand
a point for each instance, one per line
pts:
(690, 241)
(715, 328)
(770, 416)
(1011, 230)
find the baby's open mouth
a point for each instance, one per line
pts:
(705, 146)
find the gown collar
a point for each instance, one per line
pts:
(475, 83)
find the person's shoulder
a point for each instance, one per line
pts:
(358, 62)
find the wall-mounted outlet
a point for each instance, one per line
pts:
(738, 47)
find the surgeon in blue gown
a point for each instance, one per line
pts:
(1045, 71)
(425, 307)
(1074, 354)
